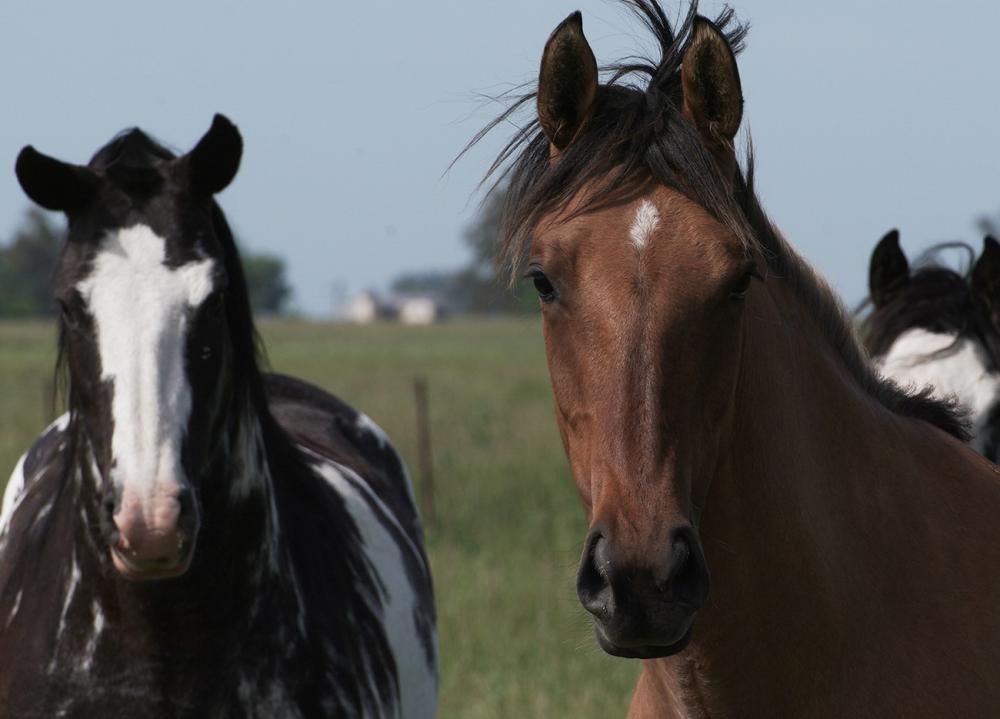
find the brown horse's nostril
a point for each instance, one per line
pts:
(680, 554)
(593, 581)
(685, 577)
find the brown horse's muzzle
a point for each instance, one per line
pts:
(643, 609)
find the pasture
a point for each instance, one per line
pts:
(514, 640)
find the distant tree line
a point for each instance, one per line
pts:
(477, 287)
(26, 266)
(28, 261)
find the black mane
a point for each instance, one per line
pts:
(936, 298)
(637, 133)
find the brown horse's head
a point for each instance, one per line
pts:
(626, 205)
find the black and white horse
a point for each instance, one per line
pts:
(194, 538)
(934, 327)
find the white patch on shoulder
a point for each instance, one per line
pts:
(645, 222)
(140, 308)
(366, 424)
(417, 679)
(17, 484)
(13, 493)
(959, 371)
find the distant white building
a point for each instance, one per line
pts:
(418, 310)
(362, 309)
(367, 307)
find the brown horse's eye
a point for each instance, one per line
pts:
(739, 292)
(546, 290)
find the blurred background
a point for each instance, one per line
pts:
(372, 265)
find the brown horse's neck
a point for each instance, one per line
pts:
(839, 537)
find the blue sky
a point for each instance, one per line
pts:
(864, 115)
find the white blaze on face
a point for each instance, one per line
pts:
(644, 224)
(140, 308)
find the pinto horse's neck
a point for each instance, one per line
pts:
(848, 549)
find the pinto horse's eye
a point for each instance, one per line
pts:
(215, 304)
(739, 292)
(546, 290)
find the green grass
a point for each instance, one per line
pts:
(514, 641)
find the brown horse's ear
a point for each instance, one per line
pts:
(53, 184)
(567, 82)
(713, 96)
(986, 277)
(888, 271)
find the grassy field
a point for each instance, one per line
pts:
(514, 641)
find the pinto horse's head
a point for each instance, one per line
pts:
(141, 284)
(626, 203)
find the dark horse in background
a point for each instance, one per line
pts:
(720, 416)
(195, 538)
(933, 326)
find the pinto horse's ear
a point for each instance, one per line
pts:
(888, 271)
(213, 162)
(986, 277)
(567, 82)
(53, 184)
(713, 95)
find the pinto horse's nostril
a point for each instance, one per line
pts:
(188, 520)
(186, 508)
(109, 506)
(111, 500)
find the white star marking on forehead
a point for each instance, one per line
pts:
(646, 219)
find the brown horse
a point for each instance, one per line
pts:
(719, 416)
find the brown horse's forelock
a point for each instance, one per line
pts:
(637, 133)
